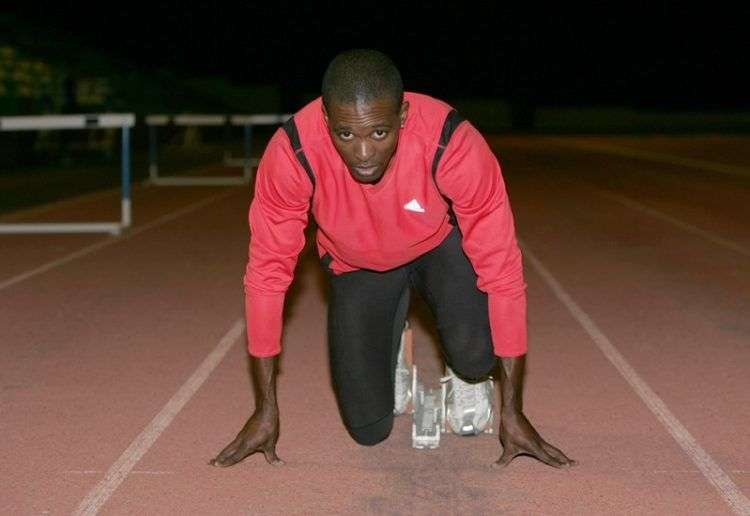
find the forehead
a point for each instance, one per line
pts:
(362, 112)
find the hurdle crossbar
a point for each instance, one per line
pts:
(154, 121)
(248, 163)
(248, 122)
(123, 121)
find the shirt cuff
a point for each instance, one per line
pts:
(263, 314)
(508, 325)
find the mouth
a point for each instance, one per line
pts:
(366, 171)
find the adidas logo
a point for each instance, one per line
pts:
(414, 205)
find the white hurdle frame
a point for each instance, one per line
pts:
(123, 121)
(247, 122)
(247, 162)
(154, 121)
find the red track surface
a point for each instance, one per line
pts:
(96, 346)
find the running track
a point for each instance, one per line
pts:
(124, 369)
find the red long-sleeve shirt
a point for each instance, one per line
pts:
(363, 226)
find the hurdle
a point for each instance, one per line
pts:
(247, 122)
(247, 162)
(123, 121)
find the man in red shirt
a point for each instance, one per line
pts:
(405, 194)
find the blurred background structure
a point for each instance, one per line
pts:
(656, 67)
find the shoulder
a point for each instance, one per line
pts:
(310, 122)
(427, 104)
(427, 116)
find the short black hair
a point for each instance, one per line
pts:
(362, 75)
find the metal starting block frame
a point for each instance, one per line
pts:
(427, 406)
(429, 414)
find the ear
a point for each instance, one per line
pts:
(403, 113)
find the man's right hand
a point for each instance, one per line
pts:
(259, 434)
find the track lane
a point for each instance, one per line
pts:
(99, 345)
(621, 264)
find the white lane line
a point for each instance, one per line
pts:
(119, 471)
(134, 472)
(659, 157)
(729, 244)
(112, 240)
(691, 471)
(705, 463)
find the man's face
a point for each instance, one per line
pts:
(366, 135)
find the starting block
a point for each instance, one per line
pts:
(429, 407)
(429, 414)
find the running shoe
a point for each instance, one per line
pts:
(403, 377)
(469, 408)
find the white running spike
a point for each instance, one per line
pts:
(467, 407)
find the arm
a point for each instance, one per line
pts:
(471, 177)
(261, 432)
(516, 433)
(278, 216)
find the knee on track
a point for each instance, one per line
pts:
(374, 433)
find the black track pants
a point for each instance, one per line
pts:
(366, 314)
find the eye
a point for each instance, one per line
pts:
(379, 134)
(345, 135)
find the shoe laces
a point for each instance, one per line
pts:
(465, 395)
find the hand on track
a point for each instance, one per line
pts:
(260, 434)
(518, 437)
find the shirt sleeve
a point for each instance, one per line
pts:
(277, 218)
(470, 176)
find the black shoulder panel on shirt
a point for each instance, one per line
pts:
(290, 128)
(452, 121)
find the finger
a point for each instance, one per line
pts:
(558, 454)
(234, 453)
(222, 459)
(220, 463)
(548, 459)
(505, 459)
(239, 456)
(225, 461)
(272, 458)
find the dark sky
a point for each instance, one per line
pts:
(657, 54)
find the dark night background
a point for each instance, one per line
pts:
(641, 55)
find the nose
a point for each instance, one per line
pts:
(364, 150)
